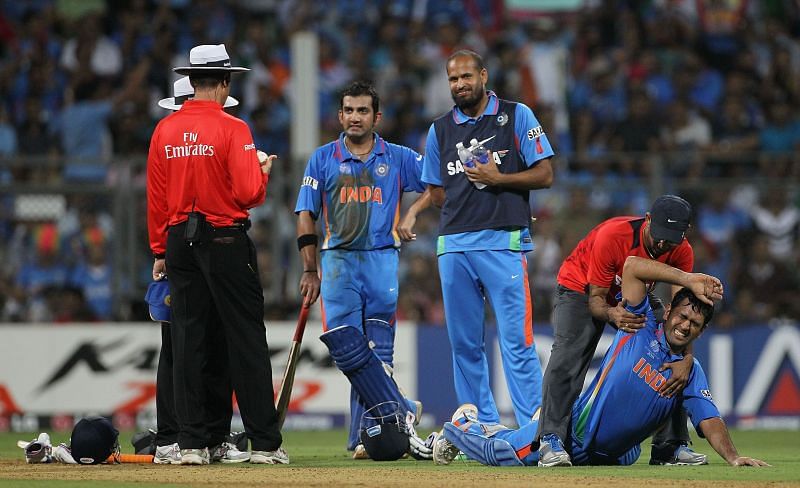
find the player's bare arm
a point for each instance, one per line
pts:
(309, 280)
(405, 229)
(637, 272)
(717, 435)
(619, 316)
(437, 195)
(534, 178)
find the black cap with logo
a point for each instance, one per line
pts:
(670, 216)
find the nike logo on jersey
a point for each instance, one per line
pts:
(513, 277)
(392, 289)
(672, 221)
(419, 157)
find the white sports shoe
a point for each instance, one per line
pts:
(195, 456)
(278, 456)
(227, 453)
(169, 454)
(444, 451)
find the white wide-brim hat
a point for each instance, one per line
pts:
(208, 57)
(182, 91)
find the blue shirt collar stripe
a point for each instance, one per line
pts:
(341, 153)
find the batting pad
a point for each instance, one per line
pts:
(381, 337)
(350, 350)
(489, 451)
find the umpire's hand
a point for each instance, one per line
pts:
(309, 287)
(159, 269)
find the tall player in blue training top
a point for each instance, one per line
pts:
(484, 234)
(354, 184)
(623, 406)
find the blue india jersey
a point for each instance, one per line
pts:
(359, 201)
(531, 144)
(622, 407)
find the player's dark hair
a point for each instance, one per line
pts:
(360, 88)
(209, 79)
(697, 305)
(476, 58)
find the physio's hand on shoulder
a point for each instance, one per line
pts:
(309, 288)
(406, 227)
(159, 269)
(265, 160)
(623, 319)
(488, 174)
(706, 288)
(679, 377)
(748, 461)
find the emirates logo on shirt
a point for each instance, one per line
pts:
(190, 147)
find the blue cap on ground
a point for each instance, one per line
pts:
(158, 299)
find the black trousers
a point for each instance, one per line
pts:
(219, 394)
(219, 274)
(576, 335)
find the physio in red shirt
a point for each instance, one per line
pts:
(587, 298)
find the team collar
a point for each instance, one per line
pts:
(491, 109)
(660, 335)
(341, 153)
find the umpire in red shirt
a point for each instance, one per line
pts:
(587, 298)
(203, 174)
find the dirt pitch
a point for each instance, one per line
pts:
(362, 475)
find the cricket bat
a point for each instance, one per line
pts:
(285, 393)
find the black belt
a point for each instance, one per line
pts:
(243, 225)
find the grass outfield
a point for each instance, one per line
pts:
(319, 459)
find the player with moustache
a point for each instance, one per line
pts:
(623, 405)
(484, 234)
(354, 185)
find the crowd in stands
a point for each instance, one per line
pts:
(695, 97)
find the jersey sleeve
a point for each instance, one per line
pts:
(697, 398)
(248, 182)
(533, 143)
(431, 167)
(309, 198)
(602, 270)
(157, 210)
(411, 170)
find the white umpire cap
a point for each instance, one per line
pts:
(208, 57)
(182, 90)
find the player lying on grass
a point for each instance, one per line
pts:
(622, 406)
